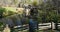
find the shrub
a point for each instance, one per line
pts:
(10, 13)
(1, 26)
(34, 3)
(2, 10)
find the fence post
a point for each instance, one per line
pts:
(52, 25)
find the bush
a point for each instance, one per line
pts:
(2, 10)
(34, 3)
(10, 13)
(1, 26)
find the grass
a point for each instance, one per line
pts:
(48, 31)
(10, 9)
(13, 9)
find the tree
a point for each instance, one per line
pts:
(49, 12)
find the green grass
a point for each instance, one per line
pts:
(48, 31)
(10, 9)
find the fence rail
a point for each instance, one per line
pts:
(41, 26)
